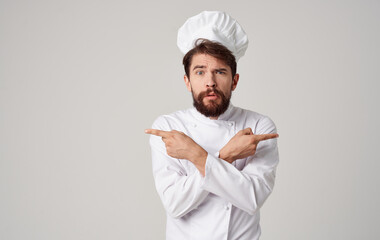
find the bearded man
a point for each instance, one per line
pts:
(214, 165)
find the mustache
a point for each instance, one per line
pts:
(208, 91)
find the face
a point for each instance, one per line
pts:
(211, 84)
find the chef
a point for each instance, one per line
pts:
(214, 164)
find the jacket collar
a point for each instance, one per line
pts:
(224, 117)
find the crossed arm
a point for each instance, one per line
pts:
(182, 190)
(179, 145)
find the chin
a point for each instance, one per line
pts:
(211, 102)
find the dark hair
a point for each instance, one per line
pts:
(215, 49)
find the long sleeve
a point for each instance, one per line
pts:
(249, 188)
(180, 190)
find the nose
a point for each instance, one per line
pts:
(210, 81)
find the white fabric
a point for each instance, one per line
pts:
(215, 26)
(225, 203)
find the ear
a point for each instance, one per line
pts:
(235, 81)
(187, 82)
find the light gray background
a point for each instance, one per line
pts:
(81, 80)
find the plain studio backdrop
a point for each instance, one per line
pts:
(81, 80)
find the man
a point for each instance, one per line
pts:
(214, 165)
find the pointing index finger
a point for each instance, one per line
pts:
(156, 132)
(266, 136)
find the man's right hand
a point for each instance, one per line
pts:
(179, 145)
(243, 145)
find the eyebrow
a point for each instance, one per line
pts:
(198, 66)
(218, 69)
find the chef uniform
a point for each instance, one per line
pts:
(225, 203)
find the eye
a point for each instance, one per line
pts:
(199, 73)
(220, 72)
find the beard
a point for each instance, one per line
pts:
(212, 109)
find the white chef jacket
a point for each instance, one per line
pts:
(225, 203)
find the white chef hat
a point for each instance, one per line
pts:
(215, 26)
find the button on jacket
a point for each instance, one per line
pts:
(225, 203)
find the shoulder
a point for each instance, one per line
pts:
(172, 121)
(259, 122)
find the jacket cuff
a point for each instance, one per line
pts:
(210, 161)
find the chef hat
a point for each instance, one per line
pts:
(215, 26)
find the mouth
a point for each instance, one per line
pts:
(211, 96)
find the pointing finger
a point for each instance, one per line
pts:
(156, 132)
(266, 136)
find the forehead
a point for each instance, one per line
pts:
(207, 61)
